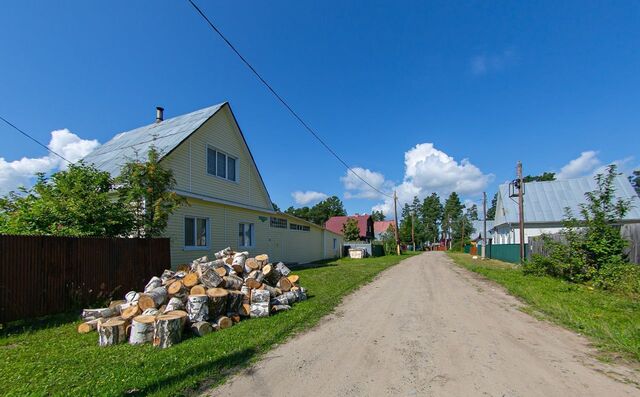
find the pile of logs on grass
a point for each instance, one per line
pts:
(205, 296)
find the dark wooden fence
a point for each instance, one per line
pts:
(42, 275)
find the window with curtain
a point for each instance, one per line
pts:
(246, 235)
(196, 232)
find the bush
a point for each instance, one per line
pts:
(623, 278)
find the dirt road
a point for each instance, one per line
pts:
(428, 327)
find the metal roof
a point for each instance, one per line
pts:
(545, 202)
(165, 136)
(478, 227)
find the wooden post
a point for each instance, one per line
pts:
(521, 210)
(395, 209)
(484, 232)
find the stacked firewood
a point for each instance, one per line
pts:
(204, 296)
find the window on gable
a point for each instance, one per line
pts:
(221, 165)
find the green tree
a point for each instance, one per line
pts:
(451, 213)
(472, 212)
(546, 176)
(275, 207)
(351, 230)
(635, 181)
(321, 212)
(302, 213)
(378, 216)
(146, 190)
(389, 240)
(491, 211)
(431, 217)
(72, 202)
(461, 231)
(404, 229)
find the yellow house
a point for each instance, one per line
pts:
(229, 205)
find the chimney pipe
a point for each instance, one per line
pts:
(159, 114)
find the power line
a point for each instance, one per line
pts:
(33, 139)
(286, 105)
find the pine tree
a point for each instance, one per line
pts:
(431, 217)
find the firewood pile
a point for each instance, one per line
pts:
(205, 296)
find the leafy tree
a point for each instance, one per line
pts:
(491, 211)
(452, 212)
(635, 180)
(275, 207)
(461, 231)
(546, 176)
(302, 213)
(389, 240)
(146, 192)
(321, 212)
(377, 216)
(411, 217)
(431, 217)
(472, 212)
(351, 230)
(72, 202)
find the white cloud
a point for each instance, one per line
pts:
(21, 172)
(483, 63)
(356, 188)
(583, 165)
(427, 170)
(308, 197)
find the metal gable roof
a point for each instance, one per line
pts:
(165, 136)
(545, 202)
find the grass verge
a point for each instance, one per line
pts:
(58, 361)
(611, 321)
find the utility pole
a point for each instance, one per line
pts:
(462, 238)
(395, 210)
(484, 232)
(413, 237)
(521, 209)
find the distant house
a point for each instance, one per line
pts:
(545, 203)
(228, 203)
(478, 227)
(365, 223)
(380, 227)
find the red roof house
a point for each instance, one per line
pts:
(365, 223)
(380, 227)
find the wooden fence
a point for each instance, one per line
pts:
(42, 275)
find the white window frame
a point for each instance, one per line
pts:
(195, 233)
(225, 178)
(252, 237)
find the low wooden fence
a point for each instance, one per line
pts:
(42, 275)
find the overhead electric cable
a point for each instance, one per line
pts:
(33, 139)
(281, 99)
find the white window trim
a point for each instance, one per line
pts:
(206, 164)
(196, 247)
(253, 234)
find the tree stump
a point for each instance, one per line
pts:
(233, 282)
(217, 301)
(154, 283)
(284, 270)
(153, 299)
(167, 330)
(198, 308)
(184, 316)
(174, 304)
(262, 260)
(112, 332)
(234, 302)
(190, 280)
(271, 274)
(141, 330)
(209, 277)
(201, 328)
(198, 290)
(284, 284)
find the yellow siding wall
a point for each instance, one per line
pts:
(189, 164)
(280, 244)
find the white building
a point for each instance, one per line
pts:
(545, 204)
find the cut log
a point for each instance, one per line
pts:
(201, 328)
(123, 306)
(209, 277)
(293, 278)
(184, 316)
(174, 304)
(167, 330)
(198, 308)
(132, 296)
(92, 314)
(250, 265)
(271, 274)
(234, 302)
(131, 312)
(247, 293)
(221, 271)
(115, 305)
(288, 298)
(262, 260)
(259, 303)
(202, 259)
(245, 310)
(284, 284)
(252, 283)
(279, 308)
(223, 322)
(167, 275)
(217, 301)
(88, 326)
(112, 332)
(217, 263)
(301, 294)
(256, 278)
(176, 289)
(260, 296)
(198, 290)
(233, 282)
(284, 270)
(184, 267)
(225, 252)
(272, 291)
(153, 299)
(190, 280)
(141, 330)
(150, 312)
(238, 262)
(154, 283)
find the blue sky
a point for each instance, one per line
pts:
(422, 96)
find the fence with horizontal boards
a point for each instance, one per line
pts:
(41, 275)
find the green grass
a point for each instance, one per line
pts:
(56, 360)
(612, 321)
